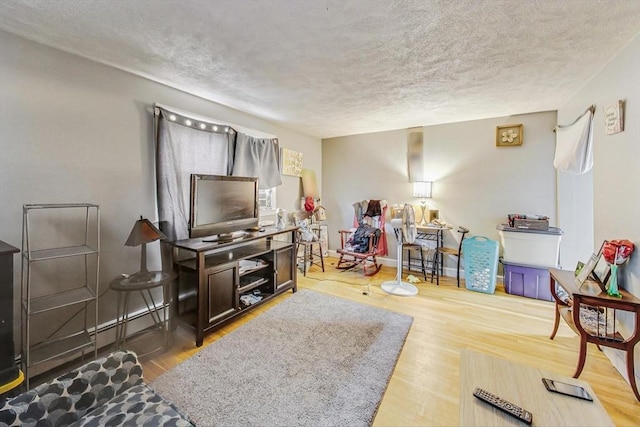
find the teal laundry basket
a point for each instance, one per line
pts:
(480, 257)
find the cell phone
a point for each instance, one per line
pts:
(568, 389)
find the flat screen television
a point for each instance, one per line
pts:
(222, 205)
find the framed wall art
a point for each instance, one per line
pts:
(587, 269)
(614, 118)
(291, 162)
(602, 270)
(508, 135)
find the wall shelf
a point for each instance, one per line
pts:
(45, 254)
(60, 300)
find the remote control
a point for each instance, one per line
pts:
(508, 407)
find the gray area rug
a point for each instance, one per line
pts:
(312, 360)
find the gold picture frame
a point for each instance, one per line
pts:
(508, 135)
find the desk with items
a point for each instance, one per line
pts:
(435, 233)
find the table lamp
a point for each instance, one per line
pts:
(422, 189)
(143, 232)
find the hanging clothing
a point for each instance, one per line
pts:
(362, 215)
(359, 208)
(574, 145)
(373, 209)
(360, 239)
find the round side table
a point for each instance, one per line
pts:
(125, 286)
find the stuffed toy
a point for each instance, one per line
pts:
(412, 279)
(305, 234)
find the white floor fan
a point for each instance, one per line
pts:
(405, 230)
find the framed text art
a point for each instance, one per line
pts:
(614, 118)
(291, 162)
(508, 135)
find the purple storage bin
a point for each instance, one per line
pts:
(527, 281)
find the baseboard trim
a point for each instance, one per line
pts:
(391, 262)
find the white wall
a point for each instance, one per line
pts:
(616, 170)
(358, 167)
(476, 184)
(73, 130)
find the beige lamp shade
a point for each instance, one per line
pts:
(422, 189)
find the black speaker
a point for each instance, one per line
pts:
(8, 370)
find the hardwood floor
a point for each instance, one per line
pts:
(423, 390)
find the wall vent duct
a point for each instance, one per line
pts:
(415, 154)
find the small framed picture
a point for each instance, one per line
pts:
(290, 162)
(587, 269)
(508, 135)
(601, 273)
(614, 117)
(602, 270)
(433, 214)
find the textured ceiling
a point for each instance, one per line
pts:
(336, 67)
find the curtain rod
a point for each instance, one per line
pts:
(591, 108)
(193, 120)
(237, 128)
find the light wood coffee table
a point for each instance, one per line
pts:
(522, 386)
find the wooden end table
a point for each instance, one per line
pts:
(591, 296)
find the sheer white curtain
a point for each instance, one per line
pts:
(185, 146)
(574, 145)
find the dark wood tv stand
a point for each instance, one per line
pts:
(220, 280)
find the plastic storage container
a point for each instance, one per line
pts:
(527, 281)
(535, 248)
(480, 257)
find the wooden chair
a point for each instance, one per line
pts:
(441, 251)
(419, 253)
(311, 249)
(420, 260)
(352, 255)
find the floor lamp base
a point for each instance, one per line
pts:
(399, 288)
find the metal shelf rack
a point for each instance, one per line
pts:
(55, 292)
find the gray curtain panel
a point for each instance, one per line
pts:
(257, 157)
(183, 149)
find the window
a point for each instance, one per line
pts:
(267, 201)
